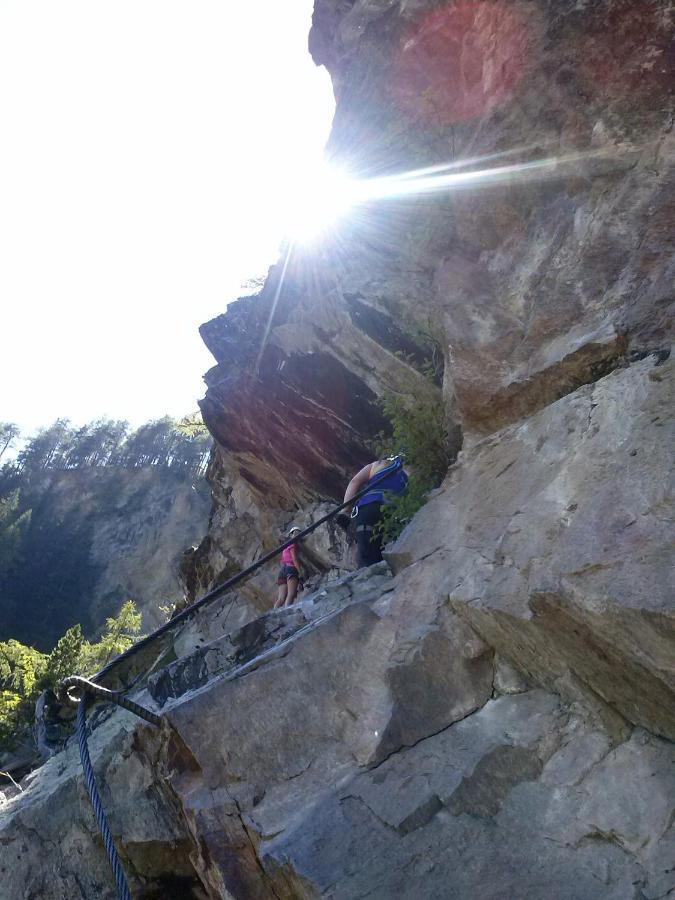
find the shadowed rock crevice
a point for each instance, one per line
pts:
(221, 847)
(165, 871)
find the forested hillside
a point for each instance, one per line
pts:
(180, 445)
(91, 517)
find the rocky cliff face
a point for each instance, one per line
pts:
(532, 281)
(495, 718)
(140, 545)
(98, 537)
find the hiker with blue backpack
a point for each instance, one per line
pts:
(388, 480)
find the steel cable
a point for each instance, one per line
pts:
(231, 582)
(123, 891)
(85, 688)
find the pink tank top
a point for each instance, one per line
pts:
(286, 557)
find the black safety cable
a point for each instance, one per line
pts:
(220, 589)
(75, 687)
(76, 691)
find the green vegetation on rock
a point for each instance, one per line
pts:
(418, 427)
(25, 671)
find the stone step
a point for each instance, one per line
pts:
(246, 647)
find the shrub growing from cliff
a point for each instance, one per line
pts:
(25, 671)
(418, 426)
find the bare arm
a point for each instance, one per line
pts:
(360, 480)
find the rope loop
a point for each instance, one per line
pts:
(73, 690)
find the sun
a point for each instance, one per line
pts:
(316, 201)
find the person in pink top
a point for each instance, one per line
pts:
(289, 574)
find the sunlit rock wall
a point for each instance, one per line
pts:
(539, 278)
(543, 273)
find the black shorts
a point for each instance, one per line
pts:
(286, 572)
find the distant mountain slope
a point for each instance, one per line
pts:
(95, 537)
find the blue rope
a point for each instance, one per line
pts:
(120, 878)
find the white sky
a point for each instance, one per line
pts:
(146, 147)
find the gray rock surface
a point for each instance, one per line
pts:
(553, 538)
(380, 760)
(50, 846)
(536, 281)
(491, 807)
(139, 544)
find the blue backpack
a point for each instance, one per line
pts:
(387, 484)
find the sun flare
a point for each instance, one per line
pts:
(314, 202)
(317, 201)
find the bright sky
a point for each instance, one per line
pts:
(146, 149)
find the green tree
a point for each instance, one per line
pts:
(120, 633)
(48, 448)
(13, 525)
(107, 442)
(97, 443)
(9, 432)
(194, 448)
(151, 444)
(21, 668)
(66, 658)
(192, 426)
(25, 672)
(10, 717)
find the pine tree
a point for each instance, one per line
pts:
(13, 525)
(9, 432)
